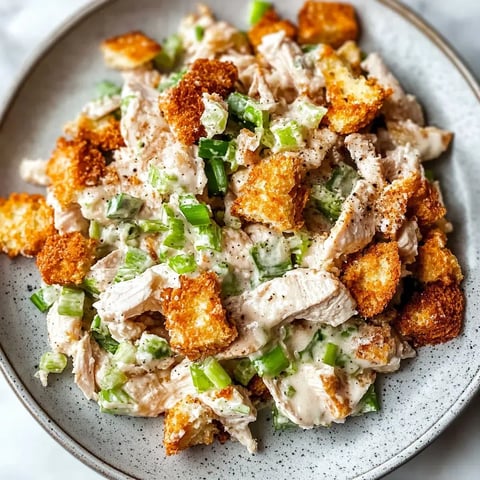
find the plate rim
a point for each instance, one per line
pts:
(73, 446)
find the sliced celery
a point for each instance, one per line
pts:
(70, 302)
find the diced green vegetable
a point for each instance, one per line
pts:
(290, 391)
(176, 234)
(90, 286)
(330, 355)
(310, 47)
(307, 113)
(248, 110)
(299, 244)
(328, 202)
(152, 347)
(199, 33)
(244, 371)
(136, 262)
(210, 148)
(116, 402)
(272, 363)
(95, 230)
(112, 378)
(257, 10)
(152, 226)
(208, 237)
(44, 298)
(216, 373)
(287, 135)
(70, 302)
(162, 181)
(217, 181)
(182, 264)
(272, 258)
(343, 180)
(199, 379)
(106, 88)
(280, 421)
(53, 362)
(214, 117)
(369, 402)
(123, 207)
(195, 212)
(102, 336)
(171, 51)
(125, 353)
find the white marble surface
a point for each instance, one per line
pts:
(26, 451)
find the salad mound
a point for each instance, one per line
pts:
(242, 221)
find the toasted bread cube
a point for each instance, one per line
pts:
(372, 277)
(434, 315)
(376, 344)
(74, 165)
(189, 422)
(182, 105)
(274, 193)
(66, 259)
(130, 50)
(353, 101)
(350, 53)
(270, 23)
(195, 317)
(426, 205)
(25, 223)
(337, 399)
(327, 22)
(435, 262)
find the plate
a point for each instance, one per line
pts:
(418, 402)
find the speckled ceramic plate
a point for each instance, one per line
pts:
(417, 403)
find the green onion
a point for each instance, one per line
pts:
(152, 347)
(216, 373)
(208, 237)
(348, 331)
(90, 286)
(257, 11)
(287, 135)
(115, 401)
(214, 117)
(327, 202)
(369, 402)
(162, 181)
(217, 181)
(182, 264)
(199, 33)
(307, 353)
(272, 363)
(272, 258)
(136, 262)
(429, 175)
(102, 336)
(248, 110)
(299, 244)
(210, 148)
(176, 234)
(95, 230)
(244, 371)
(125, 353)
(106, 88)
(44, 298)
(280, 421)
(195, 212)
(123, 206)
(310, 47)
(199, 379)
(290, 391)
(342, 180)
(171, 81)
(152, 226)
(70, 302)
(171, 51)
(112, 378)
(330, 355)
(308, 114)
(53, 362)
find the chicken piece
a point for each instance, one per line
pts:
(64, 332)
(435, 262)
(407, 240)
(66, 259)
(274, 193)
(434, 315)
(74, 165)
(130, 50)
(67, 218)
(189, 422)
(372, 277)
(318, 146)
(426, 204)
(270, 23)
(84, 367)
(26, 221)
(332, 23)
(195, 317)
(183, 106)
(353, 102)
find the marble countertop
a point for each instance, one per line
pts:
(26, 451)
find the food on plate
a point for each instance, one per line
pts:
(246, 221)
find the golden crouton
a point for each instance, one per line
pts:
(195, 317)
(426, 205)
(327, 22)
(74, 164)
(25, 223)
(189, 422)
(372, 277)
(350, 53)
(337, 399)
(270, 23)
(435, 262)
(130, 50)
(66, 259)
(102, 134)
(376, 344)
(434, 315)
(353, 102)
(274, 193)
(182, 105)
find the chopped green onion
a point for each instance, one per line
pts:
(330, 355)
(152, 347)
(272, 258)
(216, 373)
(290, 391)
(208, 237)
(199, 379)
(348, 331)
(125, 353)
(112, 378)
(102, 336)
(182, 264)
(248, 110)
(171, 81)
(307, 113)
(299, 244)
(217, 181)
(70, 302)
(95, 230)
(199, 33)
(328, 202)
(287, 135)
(53, 362)
(176, 234)
(257, 10)
(195, 212)
(343, 180)
(369, 402)
(152, 226)
(115, 401)
(171, 51)
(44, 298)
(123, 206)
(244, 371)
(162, 181)
(106, 88)
(280, 421)
(307, 353)
(429, 175)
(136, 262)
(272, 363)
(90, 286)
(210, 148)
(214, 117)
(310, 47)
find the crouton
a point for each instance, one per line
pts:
(74, 164)
(103, 134)
(372, 277)
(350, 53)
(376, 344)
(66, 259)
(195, 317)
(426, 205)
(337, 399)
(435, 262)
(130, 50)
(353, 102)
(274, 193)
(270, 23)
(182, 105)
(434, 315)
(189, 422)
(25, 223)
(327, 22)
